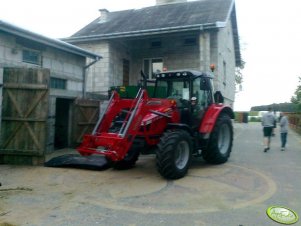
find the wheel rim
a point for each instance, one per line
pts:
(182, 154)
(224, 137)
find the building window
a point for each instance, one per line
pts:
(152, 66)
(191, 41)
(31, 56)
(156, 44)
(58, 83)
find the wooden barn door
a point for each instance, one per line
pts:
(24, 111)
(85, 116)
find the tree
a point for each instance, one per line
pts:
(239, 75)
(296, 99)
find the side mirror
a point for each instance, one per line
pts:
(204, 84)
(218, 97)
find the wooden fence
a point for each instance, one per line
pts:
(295, 121)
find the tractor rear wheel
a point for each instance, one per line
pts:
(129, 160)
(174, 154)
(220, 141)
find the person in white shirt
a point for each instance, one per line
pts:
(268, 120)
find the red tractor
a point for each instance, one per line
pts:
(183, 119)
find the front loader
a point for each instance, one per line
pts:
(183, 119)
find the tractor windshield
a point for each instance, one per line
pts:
(172, 88)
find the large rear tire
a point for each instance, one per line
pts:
(174, 154)
(129, 160)
(220, 141)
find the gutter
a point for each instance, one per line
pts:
(85, 68)
(196, 27)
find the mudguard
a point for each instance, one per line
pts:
(211, 116)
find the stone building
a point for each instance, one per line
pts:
(173, 34)
(40, 80)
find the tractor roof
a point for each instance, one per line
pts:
(182, 73)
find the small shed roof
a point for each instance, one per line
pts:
(55, 43)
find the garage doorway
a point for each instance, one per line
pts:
(62, 123)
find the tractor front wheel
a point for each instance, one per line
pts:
(129, 160)
(220, 142)
(174, 154)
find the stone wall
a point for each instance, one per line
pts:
(226, 63)
(215, 47)
(223, 56)
(61, 64)
(173, 51)
(98, 76)
(119, 51)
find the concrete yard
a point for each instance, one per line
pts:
(232, 194)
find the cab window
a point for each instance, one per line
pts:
(201, 90)
(176, 88)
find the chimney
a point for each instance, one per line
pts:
(165, 2)
(103, 15)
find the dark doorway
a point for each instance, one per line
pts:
(126, 72)
(62, 113)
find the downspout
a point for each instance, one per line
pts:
(85, 73)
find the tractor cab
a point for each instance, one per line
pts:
(192, 91)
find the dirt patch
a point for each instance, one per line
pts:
(7, 224)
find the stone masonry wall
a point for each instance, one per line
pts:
(173, 51)
(222, 55)
(118, 52)
(226, 63)
(61, 64)
(98, 75)
(215, 47)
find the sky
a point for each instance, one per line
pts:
(269, 32)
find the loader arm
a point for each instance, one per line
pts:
(124, 119)
(115, 145)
